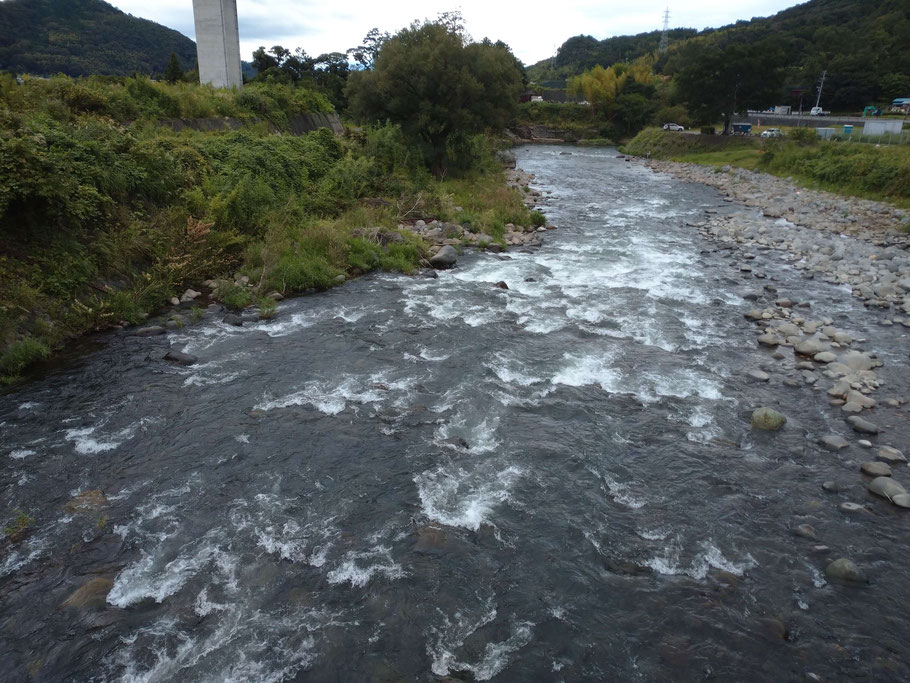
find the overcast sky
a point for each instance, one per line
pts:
(533, 29)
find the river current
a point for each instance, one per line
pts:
(414, 478)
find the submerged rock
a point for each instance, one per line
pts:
(767, 419)
(232, 319)
(180, 357)
(90, 595)
(843, 569)
(150, 331)
(85, 502)
(833, 442)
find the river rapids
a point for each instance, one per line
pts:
(408, 478)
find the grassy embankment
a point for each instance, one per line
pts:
(574, 122)
(860, 170)
(104, 215)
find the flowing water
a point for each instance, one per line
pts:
(409, 478)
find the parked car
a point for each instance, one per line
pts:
(818, 111)
(771, 133)
(673, 126)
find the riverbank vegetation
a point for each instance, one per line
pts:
(848, 168)
(106, 215)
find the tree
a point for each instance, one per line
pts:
(281, 65)
(173, 72)
(717, 77)
(439, 87)
(365, 54)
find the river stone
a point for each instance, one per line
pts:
(150, 331)
(805, 531)
(833, 442)
(843, 570)
(809, 347)
(886, 487)
(851, 407)
(864, 443)
(851, 507)
(759, 375)
(768, 339)
(767, 419)
(862, 426)
(231, 319)
(444, 258)
(180, 357)
(875, 469)
(86, 502)
(889, 454)
(824, 357)
(902, 500)
(90, 595)
(857, 361)
(501, 285)
(853, 396)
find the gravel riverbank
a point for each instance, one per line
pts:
(861, 244)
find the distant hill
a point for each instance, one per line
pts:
(864, 45)
(581, 53)
(83, 37)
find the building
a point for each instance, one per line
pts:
(218, 43)
(901, 104)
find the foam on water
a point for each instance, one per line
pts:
(455, 496)
(327, 397)
(587, 370)
(359, 567)
(153, 578)
(451, 635)
(511, 371)
(87, 442)
(669, 563)
(21, 453)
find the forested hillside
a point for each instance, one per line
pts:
(862, 45)
(83, 37)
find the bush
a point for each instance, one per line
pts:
(805, 136)
(708, 130)
(21, 354)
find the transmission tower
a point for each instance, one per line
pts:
(665, 37)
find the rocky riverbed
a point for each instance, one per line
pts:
(861, 244)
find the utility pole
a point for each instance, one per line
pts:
(819, 98)
(665, 37)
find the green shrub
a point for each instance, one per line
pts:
(21, 354)
(538, 219)
(235, 297)
(268, 308)
(806, 136)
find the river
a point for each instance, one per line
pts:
(413, 478)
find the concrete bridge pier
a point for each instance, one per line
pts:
(218, 43)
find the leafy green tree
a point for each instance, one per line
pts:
(438, 87)
(365, 54)
(173, 72)
(718, 77)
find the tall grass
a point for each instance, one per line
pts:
(102, 223)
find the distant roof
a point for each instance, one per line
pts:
(901, 100)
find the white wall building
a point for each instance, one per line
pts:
(218, 42)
